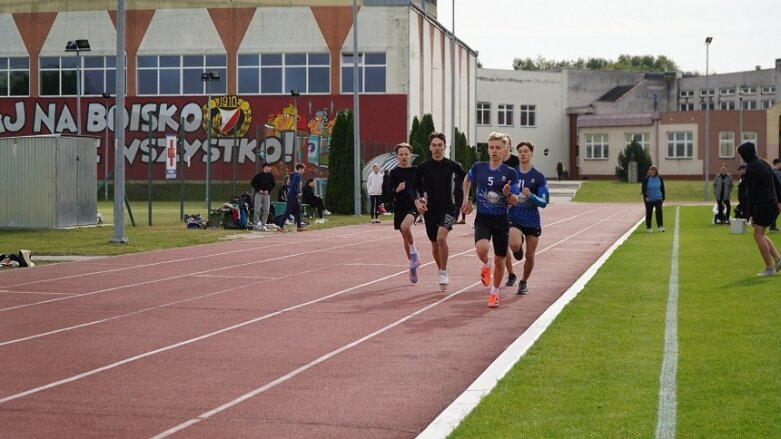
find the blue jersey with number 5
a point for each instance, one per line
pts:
(489, 184)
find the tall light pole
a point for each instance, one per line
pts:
(707, 115)
(356, 119)
(78, 46)
(740, 102)
(295, 93)
(209, 77)
(453, 84)
(106, 96)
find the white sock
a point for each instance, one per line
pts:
(412, 249)
(488, 263)
(494, 290)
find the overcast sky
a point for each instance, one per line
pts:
(745, 34)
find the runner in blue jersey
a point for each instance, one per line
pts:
(532, 192)
(493, 181)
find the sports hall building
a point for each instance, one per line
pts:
(263, 77)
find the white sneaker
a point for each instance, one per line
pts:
(661, 229)
(768, 272)
(443, 280)
(319, 221)
(327, 212)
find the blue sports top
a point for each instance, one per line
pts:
(527, 213)
(488, 186)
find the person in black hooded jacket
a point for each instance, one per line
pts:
(763, 201)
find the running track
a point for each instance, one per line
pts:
(316, 334)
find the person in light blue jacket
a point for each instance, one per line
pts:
(653, 195)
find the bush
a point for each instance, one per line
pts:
(633, 152)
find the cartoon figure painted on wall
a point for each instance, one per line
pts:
(284, 121)
(320, 129)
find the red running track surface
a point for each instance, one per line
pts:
(315, 334)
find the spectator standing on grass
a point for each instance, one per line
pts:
(308, 197)
(532, 195)
(722, 187)
(404, 212)
(653, 195)
(560, 170)
(433, 188)
(262, 183)
(740, 209)
(492, 180)
(374, 189)
(763, 202)
(293, 206)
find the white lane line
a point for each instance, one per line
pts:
(174, 261)
(351, 345)
(453, 414)
(668, 403)
(36, 293)
(197, 273)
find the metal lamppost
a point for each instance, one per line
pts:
(740, 102)
(707, 115)
(78, 46)
(149, 115)
(295, 93)
(453, 84)
(106, 96)
(209, 77)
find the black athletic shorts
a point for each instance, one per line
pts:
(436, 218)
(493, 227)
(400, 211)
(528, 231)
(763, 214)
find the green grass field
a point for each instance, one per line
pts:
(592, 191)
(595, 372)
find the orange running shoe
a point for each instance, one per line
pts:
(493, 300)
(485, 275)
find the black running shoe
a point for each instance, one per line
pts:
(511, 279)
(522, 289)
(519, 254)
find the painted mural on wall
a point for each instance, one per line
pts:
(236, 133)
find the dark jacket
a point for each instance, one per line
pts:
(762, 186)
(263, 181)
(308, 195)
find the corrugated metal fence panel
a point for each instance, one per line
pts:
(88, 182)
(45, 190)
(30, 201)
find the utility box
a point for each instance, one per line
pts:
(738, 226)
(48, 182)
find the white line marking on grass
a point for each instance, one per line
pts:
(449, 419)
(665, 424)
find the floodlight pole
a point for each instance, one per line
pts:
(209, 77)
(107, 96)
(707, 116)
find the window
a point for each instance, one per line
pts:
(686, 106)
(749, 104)
(372, 72)
(686, 93)
(279, 73)
(726, 144)
(14, 76)
(768, 89)
(727, 105)
(528, 115)
(707, 92)
(767, 103)
(180, 74)
(748, 90)
(504, 114)
(483, 113)
(642, 139)
(680, 145)
(58, 75)
(596, 147)
(727, 91)
(710, 104)
(749, 136)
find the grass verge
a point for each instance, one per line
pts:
(595, 372)
(604, 191)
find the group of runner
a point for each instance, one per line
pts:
(508, 197)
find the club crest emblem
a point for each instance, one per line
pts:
(228, 113)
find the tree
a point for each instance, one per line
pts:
(634, 152)
(339, 195)
(465, 154)
(418, 136)
(633, 63)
